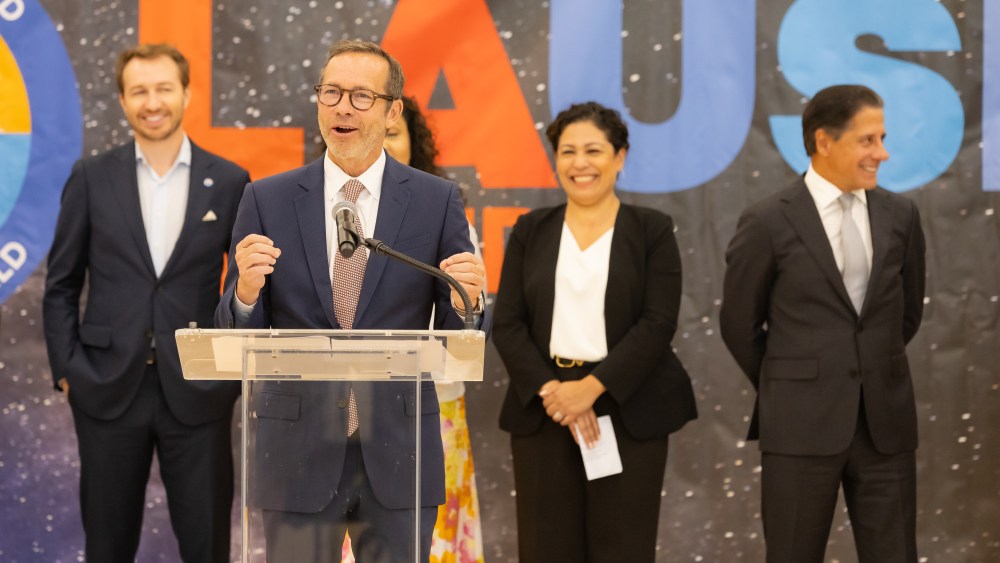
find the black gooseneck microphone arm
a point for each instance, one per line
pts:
(382, 248)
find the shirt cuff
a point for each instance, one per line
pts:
(241, 311)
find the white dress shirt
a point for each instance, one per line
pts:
(578, 331)
(163, 200)
(334, 179)
(826, 195)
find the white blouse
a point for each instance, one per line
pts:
(578, 309)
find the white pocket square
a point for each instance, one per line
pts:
(210, 216)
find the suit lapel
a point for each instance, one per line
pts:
(802, 214)
(125, 186)
(621, 267)
(546, 243)
(198, 200)
(309, 210)
(881, 229)
(393, 201)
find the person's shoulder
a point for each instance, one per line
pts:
(541, 215)
(217, 162)
(776, 201)
(114, 155)
(293, 177)
(880, 194)
(402, 173)
(646, 215)
(652, 223)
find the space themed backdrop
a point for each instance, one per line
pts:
(713, 91)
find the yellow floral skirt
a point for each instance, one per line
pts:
(458, 534)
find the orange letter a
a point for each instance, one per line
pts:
(490, 127)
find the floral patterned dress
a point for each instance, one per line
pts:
(458, 535)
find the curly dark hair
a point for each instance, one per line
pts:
(606, 119)
(423, 151)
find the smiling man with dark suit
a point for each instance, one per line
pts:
(824, 288)
(147, 225)
(340, 456)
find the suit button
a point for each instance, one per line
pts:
(853, 373)
(342, 403)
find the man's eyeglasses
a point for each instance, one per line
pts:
(361, 98)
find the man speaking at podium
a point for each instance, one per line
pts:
(341, 455)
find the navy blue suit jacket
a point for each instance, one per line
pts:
(302, 425)
(100, 239)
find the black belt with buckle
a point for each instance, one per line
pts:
(567, 363)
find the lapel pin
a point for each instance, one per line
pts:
(208, 183)
(210, 216)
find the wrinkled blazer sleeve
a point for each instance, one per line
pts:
(247, 222)
(914, 276)
(750, 271)
(67, 270)
(527, 365)
(650, 248)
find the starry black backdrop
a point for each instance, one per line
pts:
(266, 56)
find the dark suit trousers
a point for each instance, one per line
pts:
(563, 517)
(378, 534)
(799, 497)
(196, 466)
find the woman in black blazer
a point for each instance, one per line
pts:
(587, 306)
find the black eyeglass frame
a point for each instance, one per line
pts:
(350, 96)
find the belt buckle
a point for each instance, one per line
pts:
(567, 363)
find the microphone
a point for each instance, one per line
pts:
(382, 248)
(347, 236)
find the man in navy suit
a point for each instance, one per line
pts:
(325, 475)
(147, 225)
(824, 288)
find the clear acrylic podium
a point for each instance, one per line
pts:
(294, 418)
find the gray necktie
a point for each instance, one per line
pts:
(855, 257)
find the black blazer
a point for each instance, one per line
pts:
(641, 373)
(787, 319)
(100, 238)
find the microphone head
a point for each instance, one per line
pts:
(346, 206)
(344, 215)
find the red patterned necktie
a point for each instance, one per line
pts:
(347, 276)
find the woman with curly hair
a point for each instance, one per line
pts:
(411, 141)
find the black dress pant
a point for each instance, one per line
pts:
(196, 466)
(562, 517)
(378, 534)
(799, 497)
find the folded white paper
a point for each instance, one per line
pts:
(603, 459)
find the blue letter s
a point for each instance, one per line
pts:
(923, 113)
